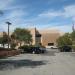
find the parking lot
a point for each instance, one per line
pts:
(52, 62)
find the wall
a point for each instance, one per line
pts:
(49, 38)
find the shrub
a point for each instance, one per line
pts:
(64, 40)
(25, 48)
(1, 49)
(13, 45)
(73, 47)
(5, 52)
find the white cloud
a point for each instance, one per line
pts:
(5, 3)
(16, 7)
(16, 14)
(63, 28)
(50, 14)
(68, 11)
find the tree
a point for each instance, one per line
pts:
(73, 40)
(4, 39)
(22, 35)
(13, 45)
(73, 35)
(64, 40)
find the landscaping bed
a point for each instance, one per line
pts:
(8, 52)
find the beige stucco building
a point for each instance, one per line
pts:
(1, 34)
(45, 37)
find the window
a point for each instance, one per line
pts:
(50, 44)
(38, 35)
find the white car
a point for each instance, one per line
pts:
(52, 47)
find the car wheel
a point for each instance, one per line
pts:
(33, 52)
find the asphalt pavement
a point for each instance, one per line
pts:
(52, 62)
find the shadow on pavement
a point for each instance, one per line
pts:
(15, 64)
(49, 53)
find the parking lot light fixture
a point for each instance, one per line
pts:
(8, 23)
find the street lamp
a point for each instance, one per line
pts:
(8, 23)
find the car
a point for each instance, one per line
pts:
(37, 50)
(51, 47)
(65, 48)
(32, 49)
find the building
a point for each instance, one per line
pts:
(1, 34)
(45, 37)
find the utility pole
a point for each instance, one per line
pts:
(73, 26)
(8, 23)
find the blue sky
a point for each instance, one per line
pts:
(43, 14)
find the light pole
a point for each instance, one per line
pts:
(73, 26)
(8, 33)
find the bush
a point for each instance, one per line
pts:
(25, 48)
(73, 47)
(1, 49)
(6, 49)
(5, 52)
(65, 48)
(13, 45)
(64, 40)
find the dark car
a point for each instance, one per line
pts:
(31, 49)
(65, 48)
(37, 50)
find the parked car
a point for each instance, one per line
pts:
(51, 47)
(37, 50)
(32, 49)
(65, 48)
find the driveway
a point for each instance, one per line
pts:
(50, 63)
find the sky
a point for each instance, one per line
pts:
(42, 14)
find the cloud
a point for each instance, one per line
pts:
(69, 11)
(66, 12)
(17, 15)
(63, 28)
(50, 14)
(4, 27)
(5, 3)
(16, 7)
(14, 15)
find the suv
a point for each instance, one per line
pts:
(65, 48)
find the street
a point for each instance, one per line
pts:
(50, 63)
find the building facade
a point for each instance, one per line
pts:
(44, 37)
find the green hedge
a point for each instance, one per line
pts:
(73, 47)
(25, 48)
(6, 49)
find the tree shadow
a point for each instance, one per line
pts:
(15, 64)
(3, 57)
